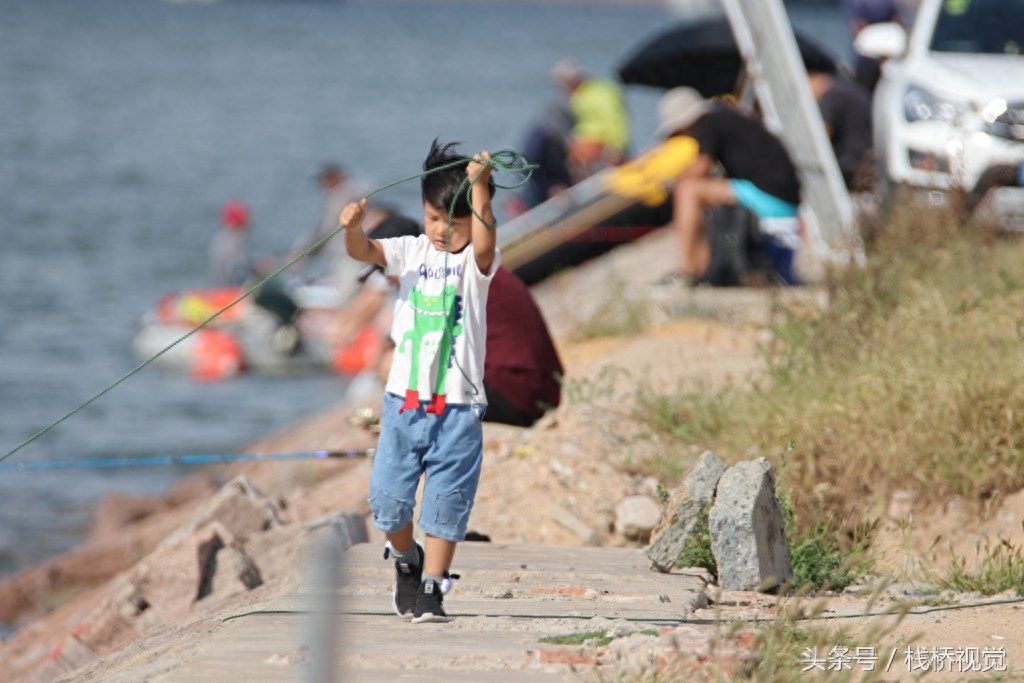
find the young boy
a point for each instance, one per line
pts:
(434, 400)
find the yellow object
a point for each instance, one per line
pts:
(957, 7)
(600, 114)
(648, 177)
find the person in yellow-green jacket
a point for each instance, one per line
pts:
(600, 134)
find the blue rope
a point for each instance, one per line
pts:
(110, 463)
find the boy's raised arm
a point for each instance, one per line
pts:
(484, 237)
(357, 244)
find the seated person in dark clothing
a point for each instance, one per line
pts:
(522, 371)
(845, 107)
(758, 174)
(861, 13)
(547, 144)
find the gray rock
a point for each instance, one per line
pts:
(748, 531)
(239, 507)
(203, 558)
(683, 510)
(172, 577)
(226, 570)
(636, 517)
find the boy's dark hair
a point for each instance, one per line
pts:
(442, 189)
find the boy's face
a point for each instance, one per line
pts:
(435, 225)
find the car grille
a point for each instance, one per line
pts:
(1009, 124)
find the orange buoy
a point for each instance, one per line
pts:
(216, 355)
(360, 354)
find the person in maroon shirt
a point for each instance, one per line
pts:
(522, 371)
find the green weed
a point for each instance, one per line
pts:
(618, 315)
(696, 551)
(602, 386)
(816, 557)
(996, 569)
(595, 638)
(693, 417)
(589, 638)
(819, 564)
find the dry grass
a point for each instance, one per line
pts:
(913, 378)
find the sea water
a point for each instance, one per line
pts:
(126, 124)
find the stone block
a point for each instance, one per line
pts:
(683, 510)
(748, 530)
(227, 571)
(238, 507)
(636, 517)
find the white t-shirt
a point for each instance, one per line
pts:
(442, 304)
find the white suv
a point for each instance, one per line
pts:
(949, 107)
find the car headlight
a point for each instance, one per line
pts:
(1003, 119)
(923, 105)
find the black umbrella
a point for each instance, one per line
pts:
(704, 56)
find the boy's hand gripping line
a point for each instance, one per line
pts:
(505, 160)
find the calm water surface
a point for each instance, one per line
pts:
(128, 123)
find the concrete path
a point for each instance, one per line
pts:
(509, 597)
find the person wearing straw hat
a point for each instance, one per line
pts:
(757, 173)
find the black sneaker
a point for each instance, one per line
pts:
(428, 604)
(407, 582)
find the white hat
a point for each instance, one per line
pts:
(679, 109)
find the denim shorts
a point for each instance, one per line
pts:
(447, 448)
